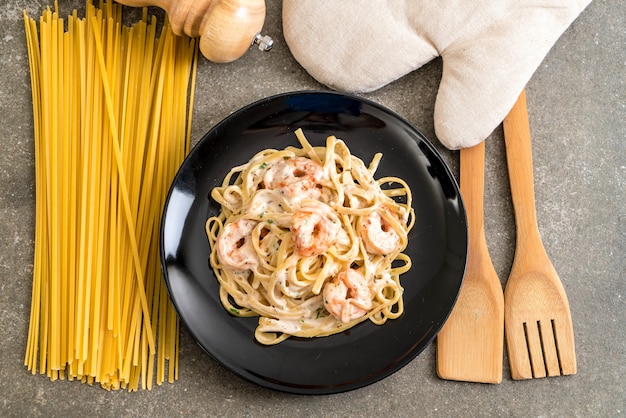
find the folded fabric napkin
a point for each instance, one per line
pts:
(490, 49)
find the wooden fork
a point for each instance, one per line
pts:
(538, 323)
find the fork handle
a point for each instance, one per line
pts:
(520, 165)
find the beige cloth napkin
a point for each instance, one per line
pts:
(490, 49)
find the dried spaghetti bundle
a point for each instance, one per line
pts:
(112, 108)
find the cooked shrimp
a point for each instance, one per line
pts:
(294, 176)
(377, 235)
(314, 228)
(348, 297)
(234, 245)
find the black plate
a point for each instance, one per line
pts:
(366, 353)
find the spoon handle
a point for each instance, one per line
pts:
(472, 173)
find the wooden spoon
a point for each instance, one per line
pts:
(227, 28)
(470, 344)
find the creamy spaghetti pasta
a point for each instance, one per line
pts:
(309, 241)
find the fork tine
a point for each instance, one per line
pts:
(534, 348)
(550, 355)
(564, 335)
(518, 352)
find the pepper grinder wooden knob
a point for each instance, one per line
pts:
(227, 28)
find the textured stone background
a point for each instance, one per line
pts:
(577, 105)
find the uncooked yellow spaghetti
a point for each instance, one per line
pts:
(112, 111)
(309, 241)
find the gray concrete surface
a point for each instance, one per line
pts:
(577, 105)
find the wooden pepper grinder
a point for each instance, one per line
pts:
(227, 28)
